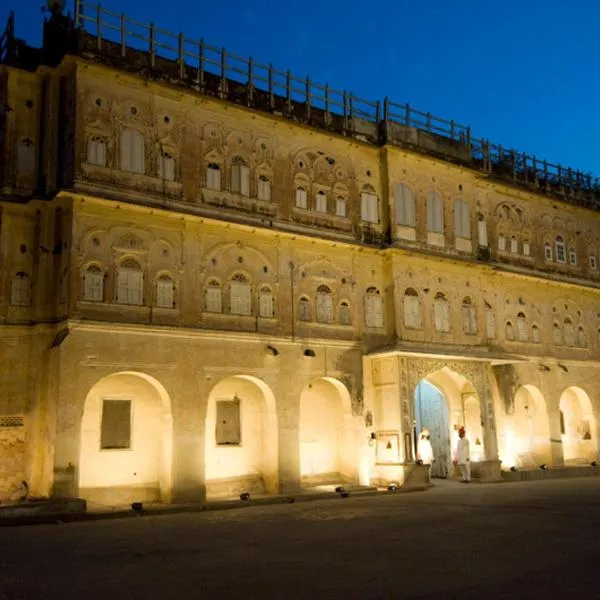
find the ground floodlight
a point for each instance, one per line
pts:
(544, 467)
(339, 489)
(593, 464)
(392, 487)
(137, 506)
(344, 494)
(245, 496)
(513, 469)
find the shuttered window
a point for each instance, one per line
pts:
(240, 297)
(115, 430)
(482, 237)
(441, 313)
(213, 177)
(522, 329)
(324, 305)
(264, 189)
(130, 284)
(412, 309)
(345, 316)
(405, 205)
(132, 151)
(265, 298)
(340, 206)
(228, 430)
(373, 308)
(435, 213)
(321, 202)
(469, 317)
(369, 207)
(240, 178)
(164, 292)
(462, 219)
(301, 198)
(304, 309)
(20, 290)
(93, 288)
(490, 322)
(213, 297)
(96, 152)
(26, 157)
(166, 167)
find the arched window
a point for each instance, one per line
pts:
(569, 332)
(469, 317)
(26, 156)
(214, 302)
(482, 236)
(164, 292)
(592, 262)
(560, 250)
(373, 308)
(324, 305)
(240, 295)
(369, 205)
(345, 316)
(510, 331)
(20, 289)
(96, 151)
(93, 284)
(462, 219)
(213, 177)
(166, 166)
(132, 151)
(405, 206)
(514, 245)
(265, 301)
(304, 309)
(321, 202)
(441, 312)
(240, 177)
(264, 188)
(557, 337)
(572, 256)
(501, 243)
(581, 337)
(301, 198)
(522, 331)
(535, 334)
(412, 309)
(435, 213)
(340, 206)
(526, 248)
(130, 283)
(490, 322)
(547, 251)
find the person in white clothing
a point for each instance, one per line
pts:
(424, 450)
(462, 456)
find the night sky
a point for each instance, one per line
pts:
(523, 73)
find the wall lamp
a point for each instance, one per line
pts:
(309, 352)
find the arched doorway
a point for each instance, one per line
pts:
(531, 439)
(431, 413)
(126, 441)
(444, 402)
(241, 438)
(327, 441)
(578, 427)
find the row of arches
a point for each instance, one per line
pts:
(127, 437)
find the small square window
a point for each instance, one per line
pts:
(592, 262)
(572, 257)
(548, 252)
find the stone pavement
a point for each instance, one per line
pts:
(533, 540)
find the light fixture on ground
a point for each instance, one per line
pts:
(340, 489)
(593, 464)
(513, 469)
(544, 467)
(393, 487)
(245, 496)
(137, 506)
(309, 352)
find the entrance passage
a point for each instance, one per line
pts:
(431, 413)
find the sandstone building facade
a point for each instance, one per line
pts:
(209, 288)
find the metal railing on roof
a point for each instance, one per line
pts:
(216, 71)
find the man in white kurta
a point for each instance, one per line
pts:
(425, 450)
(462, 456)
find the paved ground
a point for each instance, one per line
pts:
(525, 540)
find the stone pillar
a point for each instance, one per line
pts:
(486, 404)
(556, 445)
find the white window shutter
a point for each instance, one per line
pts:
(164, 293)
(378, 312)
(266, 304)
(245, 181)
(340, 207)
(264, 190)
(301, 198)
(123, 286)
(94, 286)
(236, 178)
(490, 324)
(482, 233)
(240, 298)
(136, 287)
(213, 299)
(324, 308)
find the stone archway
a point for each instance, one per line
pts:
(452, 403)
(125, 452)
(328, 451)
(578, 427)
(241, 438)
(527, 439)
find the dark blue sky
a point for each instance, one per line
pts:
(523, 73)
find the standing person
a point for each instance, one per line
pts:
(462, 456)
(425, 450)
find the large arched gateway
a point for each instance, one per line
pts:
(578, 427)
(125, 450)
(241, 438)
